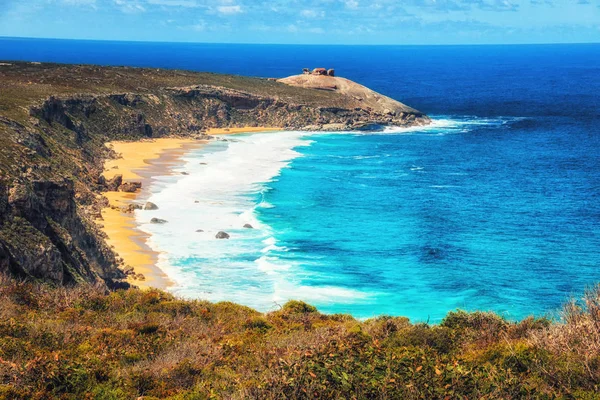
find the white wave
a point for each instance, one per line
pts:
(442, 125)
(224, 188)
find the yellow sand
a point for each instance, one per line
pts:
(128, 241)
(137, 157)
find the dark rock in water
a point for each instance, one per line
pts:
(196, 201)
(130, 187)
(248, 226)
(199, 231)
(158, 221)
(222, 235)
(203, 163)
(433, 254)
(113, 184)
(185, 173)
(150, 206)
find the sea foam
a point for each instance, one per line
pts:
(223, 186)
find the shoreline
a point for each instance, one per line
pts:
(141, 161)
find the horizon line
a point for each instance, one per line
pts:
(300, 44)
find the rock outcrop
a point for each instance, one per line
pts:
(43, 235)
(130, 187)
(382, 110)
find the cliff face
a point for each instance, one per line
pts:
(55, 119)
(44, 236)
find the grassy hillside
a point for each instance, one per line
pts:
(84, 343)
(25, 83)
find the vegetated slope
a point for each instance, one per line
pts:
(84, 343)
(55, 119)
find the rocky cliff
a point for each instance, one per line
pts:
(382, 110)
(55, 119)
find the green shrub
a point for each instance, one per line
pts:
(298, 307)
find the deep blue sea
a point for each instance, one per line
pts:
(496, 206)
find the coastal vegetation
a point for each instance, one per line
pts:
(84, 342)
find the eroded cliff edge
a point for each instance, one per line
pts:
(55, 119)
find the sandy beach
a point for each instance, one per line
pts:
(140, 161)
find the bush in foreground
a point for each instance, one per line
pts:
(83, 343)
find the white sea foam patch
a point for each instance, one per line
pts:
(222, 189)
(442, 125)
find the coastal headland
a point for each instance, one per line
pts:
(55, 121)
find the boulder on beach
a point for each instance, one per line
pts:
(131, 208)
(130, 187)
(150, 206)
(222, 235)
(113, 184)
(248, 226)
(158, 221)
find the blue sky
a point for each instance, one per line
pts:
(307, 21)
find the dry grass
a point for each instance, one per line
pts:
(83, 342)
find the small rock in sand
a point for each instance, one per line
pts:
(222, 235)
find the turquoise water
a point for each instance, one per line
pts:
(472, 213)
(496, 207)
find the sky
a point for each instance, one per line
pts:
(307, 21)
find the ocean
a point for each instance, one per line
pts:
(495, 206)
